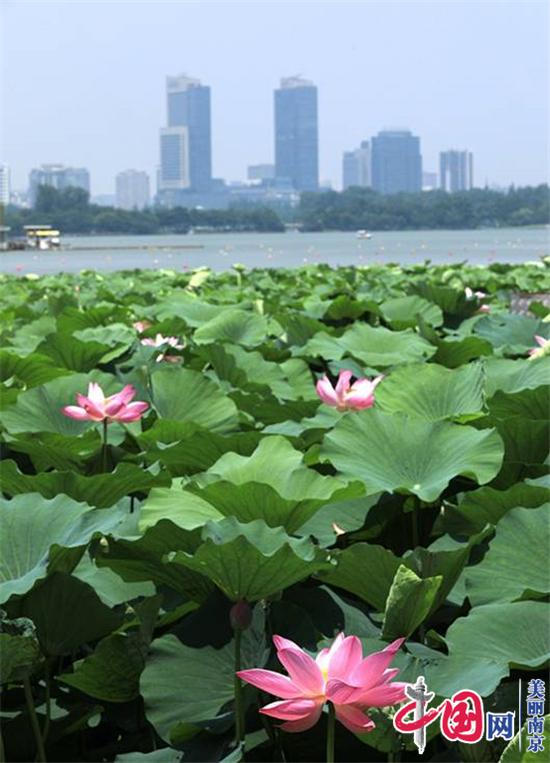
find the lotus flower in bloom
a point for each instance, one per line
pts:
(97, 407)
(542, 349)
(339, 675)
(346, 396)
(160, 341)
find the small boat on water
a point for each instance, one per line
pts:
(363, 234)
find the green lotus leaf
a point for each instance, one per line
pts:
(32, 370)
(170, 703)
(511, 634)
(433, 392)
(487, 505)
(396, 453)
(30, 525)
(67, 613)
(510, 334)
(252, 561)
(515, 375)
(401, 312)
(410, 600)
(517, 751)
(236, 326)
(100, 490)
(111, 673)
(517, 559)
(184, 395)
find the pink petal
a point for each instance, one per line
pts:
(342, 385)
(95, 394)
(369, 672)
(131, 412)
(381, 696)
(326, 391)
(303, 670)
(148, 342)
(345, 658)
(96, 411)
(354, 719)
(541, 341)
(291, 709)
(323, 658)
(285, 643)
(305, 723)
(268, 680)
(75, 412)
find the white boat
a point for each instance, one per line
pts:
(363, 234)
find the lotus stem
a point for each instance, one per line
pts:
(104, 447)
(239, 709)
(46, 728)
(2, 752)
(331, 723)
(415, 523)
(41, 753)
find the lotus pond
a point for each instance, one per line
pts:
(205, 474)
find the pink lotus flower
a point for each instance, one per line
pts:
(542, 350)
(339, 675)
(141, 326)
(346, 396)
(97, 407)
(169, 341)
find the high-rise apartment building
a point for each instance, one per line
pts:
(296, 133)
(456, 170)
(4, 185)
(396, 162)
(132, 189)
(356, 167)
(188, 109)
(58, 176)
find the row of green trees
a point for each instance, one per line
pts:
(70, 211)
(364, 208)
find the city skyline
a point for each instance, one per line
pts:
(495, 105)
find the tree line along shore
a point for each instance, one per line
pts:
(70, 210)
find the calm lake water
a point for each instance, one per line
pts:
(221, 250)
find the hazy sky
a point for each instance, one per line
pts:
(84, 82)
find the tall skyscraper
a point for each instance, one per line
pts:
(456, 170)
(188, 106)
(4, 184)
(396, 162)
(356, 167)
(132, 189)
(58, 176)
(296, 133)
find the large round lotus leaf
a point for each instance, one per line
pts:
(252, 561)
(276, 463)
(31, 370)
(508, 633)
(185, 395)
(30, 525)
(236, 326)
(432, 392)
(396, 453)
(515, 375)
(39, 409)
(517, 559)
(377, 347)
(182, 684)
(510, 334)
(517, 751)
(402, 312)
